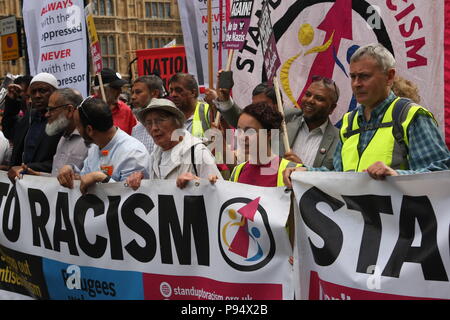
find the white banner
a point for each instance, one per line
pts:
(194, 22)
(56, 41)
(372, 239)
(318, 38)
(206, 242)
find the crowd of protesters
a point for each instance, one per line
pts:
(171, 133)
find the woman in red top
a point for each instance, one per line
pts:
(258, 126)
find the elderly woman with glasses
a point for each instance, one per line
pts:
(177, 151)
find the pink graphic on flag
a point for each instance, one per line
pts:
(241, 241)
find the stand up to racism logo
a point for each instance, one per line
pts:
(246, 241)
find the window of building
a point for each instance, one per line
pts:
(149, 43)
(103, 7)
(161, 9)
(156, 43)
(109, 7)
(154, 9)
(167, 6)
(148, 11)
(101, 10)
(109, 51)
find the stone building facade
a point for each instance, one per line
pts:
(123, 26)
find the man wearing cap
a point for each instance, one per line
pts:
(176, 150)
(32, 146)
(122, 115)
(125, 154)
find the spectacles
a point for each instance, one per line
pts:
(328, 81)
(150, 123)
(51, 109)
(80, 108)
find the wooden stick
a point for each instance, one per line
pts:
(287, 148)
(102, 88)
(230, 59)
(210, 48)
(130, 52)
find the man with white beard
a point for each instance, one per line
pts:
(71, 148)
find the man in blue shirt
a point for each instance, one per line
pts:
(125, 154)
(372, 72)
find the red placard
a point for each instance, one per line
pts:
(164, 61)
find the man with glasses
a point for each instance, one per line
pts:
(60, 119)
(312, 137)
(384, 135)
(32, 146)
(125, 154)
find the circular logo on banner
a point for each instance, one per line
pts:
(165, 289)
(246, 240)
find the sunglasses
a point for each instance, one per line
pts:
(328, 81)
(80, 108)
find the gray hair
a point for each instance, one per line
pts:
(384, 58)
(153, 82)
(69, 96)
(188, 81)
(179, 124)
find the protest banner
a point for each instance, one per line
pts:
(96, 52)
(204, 242)
(237, 28)
(56, 41)
(268, 44)
(164, 61)
(373, 239)
(318, 37)
(194, 23)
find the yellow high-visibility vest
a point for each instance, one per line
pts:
(383, 146)
(283, 165)
(200, 121)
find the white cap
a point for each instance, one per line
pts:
(47, 78)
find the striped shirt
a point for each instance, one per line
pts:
(307, 142)
(140, 132)
(427, 149)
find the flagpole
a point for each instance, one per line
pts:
(287, 147)
(210, 46)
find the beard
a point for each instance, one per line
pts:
(59, 125)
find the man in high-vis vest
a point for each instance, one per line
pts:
(384, 135)
(183, 91)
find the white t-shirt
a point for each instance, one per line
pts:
(4, 145)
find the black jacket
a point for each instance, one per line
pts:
(15, 129)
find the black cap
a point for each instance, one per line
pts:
(110, 77)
